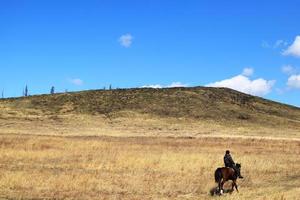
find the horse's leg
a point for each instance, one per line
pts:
(232, 186)
(222, 184)
(219, 187)
(236, 187)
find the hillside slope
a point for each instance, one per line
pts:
(138, 108)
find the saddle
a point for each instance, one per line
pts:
(234, 169)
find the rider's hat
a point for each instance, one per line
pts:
(227, 152)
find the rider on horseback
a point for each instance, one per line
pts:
(228, 161)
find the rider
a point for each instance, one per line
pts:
(228, 161)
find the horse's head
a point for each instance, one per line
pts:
(238, 165)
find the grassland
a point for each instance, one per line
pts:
(146, 144)
(43, 167)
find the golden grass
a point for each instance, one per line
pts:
(48, 167)
(124, 124)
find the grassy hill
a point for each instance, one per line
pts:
(197, 110)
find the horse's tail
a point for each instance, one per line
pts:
(218, 175)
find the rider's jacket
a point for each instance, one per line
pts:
(228, 161)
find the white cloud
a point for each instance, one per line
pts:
(275, 45)
(152, 86)
(248, 71)
(294, 49)
(172, 85)
(294, 81)
(76, 81)
(126, 40)
(280, 43)
(177, 84)
(288, 69)
(243, 83)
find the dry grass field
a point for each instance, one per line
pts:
(53, 167)
(146, 144)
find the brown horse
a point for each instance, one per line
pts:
(224, 174)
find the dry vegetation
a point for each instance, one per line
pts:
(199, 103)
(43, 167)
(146, 144)
(150, 112)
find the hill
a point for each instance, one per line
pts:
(169, 111)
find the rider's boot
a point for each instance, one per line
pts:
(240, 176)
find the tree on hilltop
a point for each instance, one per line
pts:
(52, 91)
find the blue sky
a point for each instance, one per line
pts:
(77, 45)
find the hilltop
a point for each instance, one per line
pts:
(168, 111)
